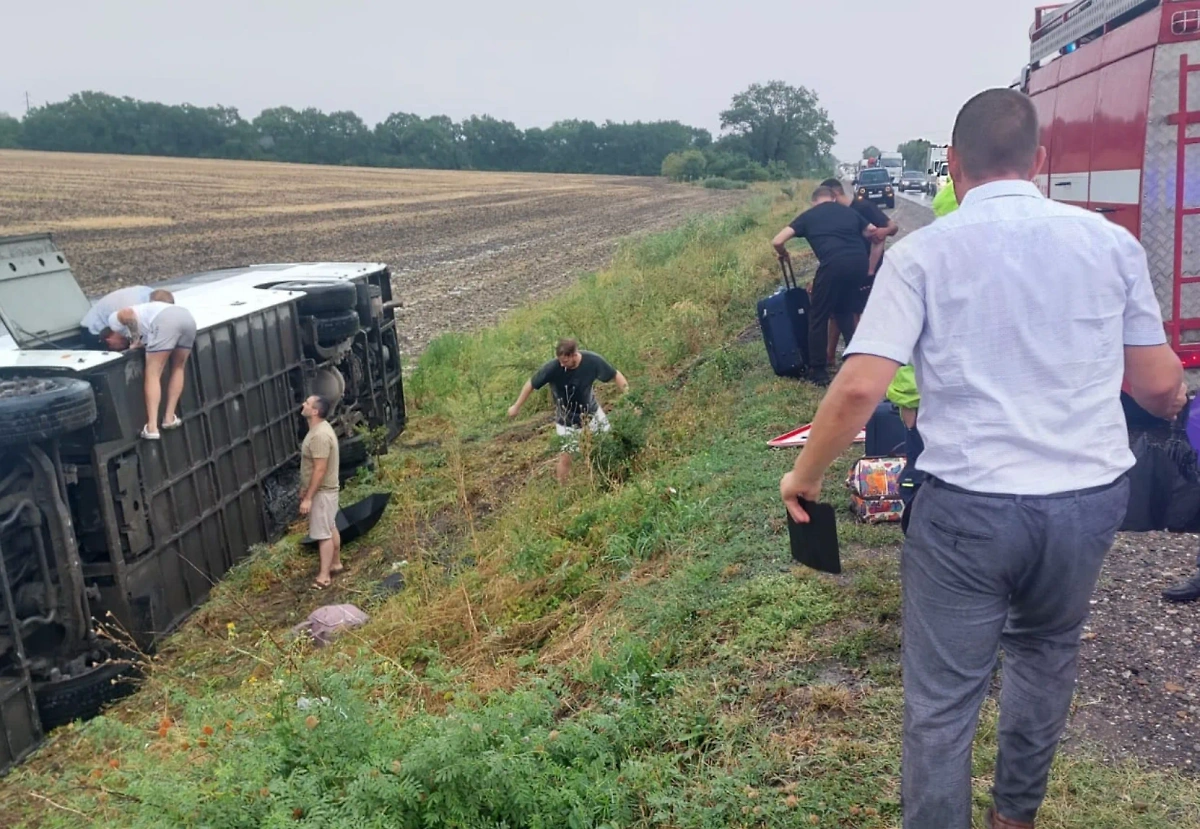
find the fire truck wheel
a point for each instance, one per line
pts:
(322, 297)
(82, 696)
(333, 328)
(40, 408)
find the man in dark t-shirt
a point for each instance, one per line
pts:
(835, 233)
(571, 375)
(885, 226)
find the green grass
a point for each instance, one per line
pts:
(721, 183)
(632, 651)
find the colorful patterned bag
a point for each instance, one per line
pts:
(874, 485)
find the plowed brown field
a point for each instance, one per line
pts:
(463, 246)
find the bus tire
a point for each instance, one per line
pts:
(34, 409)
(81, 697)
(335, 327)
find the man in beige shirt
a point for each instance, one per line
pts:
(319, 488)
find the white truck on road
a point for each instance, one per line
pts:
(894, 163)
(937, 168)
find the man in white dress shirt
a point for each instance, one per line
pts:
(1020, 315)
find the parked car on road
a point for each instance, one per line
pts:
(875, 185)
(100, 526)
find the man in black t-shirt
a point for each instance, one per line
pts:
(571, 375)
(835, 233)
(885, 226)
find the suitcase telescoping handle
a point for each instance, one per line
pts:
(789, 276)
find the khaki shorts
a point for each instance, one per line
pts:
(568, 436)
(322, 518)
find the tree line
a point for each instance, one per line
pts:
(773, 131)
(761, 133)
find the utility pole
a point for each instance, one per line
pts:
(27, 103)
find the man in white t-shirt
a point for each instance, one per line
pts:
(167, 332)
(95, 321)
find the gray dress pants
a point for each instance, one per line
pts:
(980, 574)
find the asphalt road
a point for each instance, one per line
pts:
(912, 211)
(919, 198)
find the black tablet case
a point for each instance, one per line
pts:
(815, 544)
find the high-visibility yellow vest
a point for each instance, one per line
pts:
(945, 201)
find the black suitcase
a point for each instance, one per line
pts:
(783, 317)
(1164, 484)
(886, 434)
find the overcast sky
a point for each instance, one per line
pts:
(886, 72)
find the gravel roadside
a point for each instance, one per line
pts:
(1139, 671)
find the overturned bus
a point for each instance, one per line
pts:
(100, 527)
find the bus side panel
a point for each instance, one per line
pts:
(20, 728)
(202, 485)
(1160, 174)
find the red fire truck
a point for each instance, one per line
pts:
(1117, 88)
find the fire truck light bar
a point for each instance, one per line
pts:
(1057, 29)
